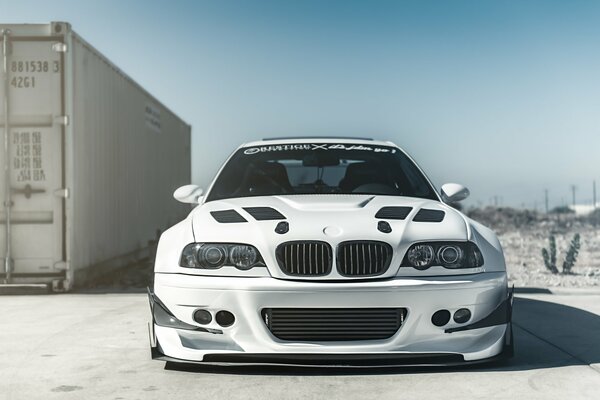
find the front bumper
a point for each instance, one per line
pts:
(417, 342)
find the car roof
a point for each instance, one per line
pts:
(317, 139)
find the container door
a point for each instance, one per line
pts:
(31, 158)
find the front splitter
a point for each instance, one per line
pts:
(332, 360)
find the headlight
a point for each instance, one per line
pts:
(450, 255)
(217, 255)
(212, 256)
(421, 256)
(243, 256)
(446, 254)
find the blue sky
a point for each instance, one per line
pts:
(502, 96)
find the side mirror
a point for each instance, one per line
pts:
(188, 194)
(453, 192)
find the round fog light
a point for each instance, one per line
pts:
(202, 317)
(224, 318)
(462, 315)
(440, 318)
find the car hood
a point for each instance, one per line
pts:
(331, 218)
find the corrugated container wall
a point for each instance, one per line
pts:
(92, 159)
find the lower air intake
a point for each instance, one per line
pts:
(333, 324)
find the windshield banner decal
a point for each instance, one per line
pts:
(319, 146)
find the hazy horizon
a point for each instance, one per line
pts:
(500, 96)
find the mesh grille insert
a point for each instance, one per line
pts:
(333, 324)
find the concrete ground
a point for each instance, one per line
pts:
(95, 346)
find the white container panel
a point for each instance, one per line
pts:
(129, 153)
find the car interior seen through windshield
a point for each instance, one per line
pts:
(320, 168)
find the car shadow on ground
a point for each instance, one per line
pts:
(547, 335)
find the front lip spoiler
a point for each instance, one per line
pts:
(320, 360)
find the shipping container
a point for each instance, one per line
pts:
(89, 160)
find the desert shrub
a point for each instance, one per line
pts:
(572, 253)
(549, 256)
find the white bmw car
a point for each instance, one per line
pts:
(328, 251)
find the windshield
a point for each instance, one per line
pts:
(320, 168)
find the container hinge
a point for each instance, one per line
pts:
(62, 120)
(8, 44)
(59, 47)
(27, 190)
(64, 193)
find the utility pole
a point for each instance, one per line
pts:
(546, 199)
(573, 189)
(594, 197)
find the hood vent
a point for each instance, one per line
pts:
(393, 212)
(264, 213)
(227, 216)
(427, 215)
